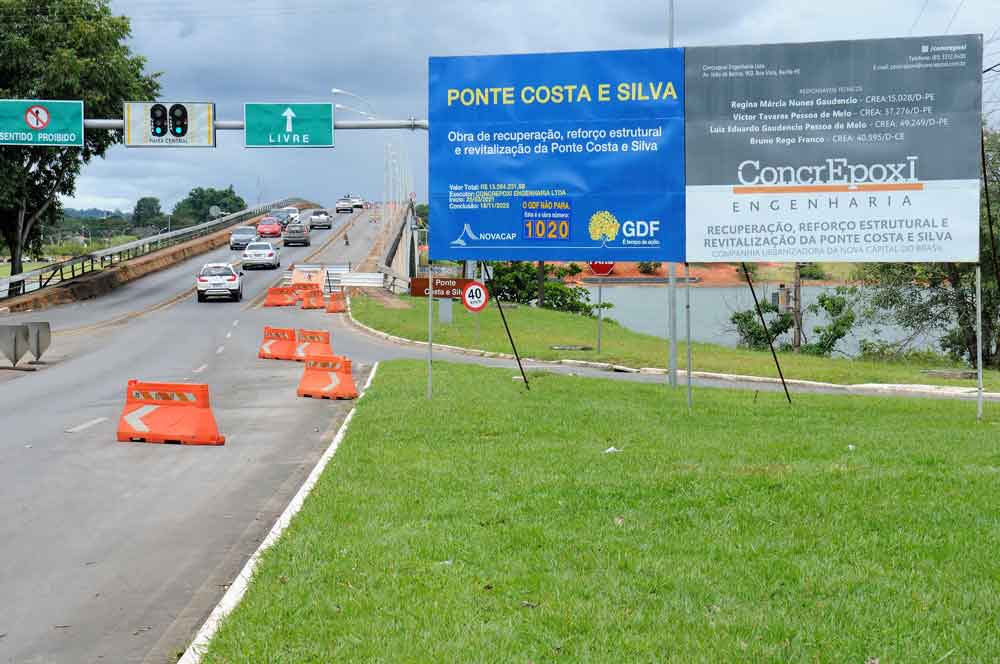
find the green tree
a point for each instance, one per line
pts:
(195, 208)
(840, 313)
(751, 332)
(423, 213)
(517, 281)
(941, 297)
(60, 49)
(147, 211)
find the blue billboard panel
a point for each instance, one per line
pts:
(558, 156)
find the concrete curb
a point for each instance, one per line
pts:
(867, 389)
(233, 596)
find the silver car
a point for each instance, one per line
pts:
(344, 205)
(320, 219)
(261, 254)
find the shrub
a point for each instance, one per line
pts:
(646, 267)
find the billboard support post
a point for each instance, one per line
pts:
(989, 212)
(672, 322)
(687, 323)
(430, 328)
(496, 297)
(600, 312)
(979, 342)
(767, 333)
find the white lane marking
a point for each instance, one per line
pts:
(229, 335)
(236, 322)
(238, 587)
(200, 369)
(134, 419)
(86, 425)
(218, 351)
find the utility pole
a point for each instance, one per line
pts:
(672, 272)
(797, 307)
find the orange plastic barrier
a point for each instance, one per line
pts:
(313, 300)
(337, 303)
(328, 377)
(168, 413)
(304, 289)
(278, 344)
(312, 343)
(280, 296)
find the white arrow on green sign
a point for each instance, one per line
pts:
(41, 122)
(288, 125)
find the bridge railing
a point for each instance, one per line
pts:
(55, 273)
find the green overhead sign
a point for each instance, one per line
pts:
(288, 125)
(41, 122)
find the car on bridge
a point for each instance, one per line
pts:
(296, 233)
(241, 237)
(356, 201)
(344, 205)
(219, 279)
(293, 212)
(261, 254)
(321, 219)
(269, 227)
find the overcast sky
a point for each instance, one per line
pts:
(230, 52)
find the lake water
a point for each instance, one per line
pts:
(644, 309)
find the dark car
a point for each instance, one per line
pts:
(241, 237)
(297, 233)
(282, 216)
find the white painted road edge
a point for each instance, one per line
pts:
(240, 584)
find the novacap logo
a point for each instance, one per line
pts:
(468, 234)
(604, 227)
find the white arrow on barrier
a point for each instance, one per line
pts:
(134, 419)
(300, 350)
(334, 382)
(266, 346)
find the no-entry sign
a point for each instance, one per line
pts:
(475, 296)
(602, 268)
(41, 122)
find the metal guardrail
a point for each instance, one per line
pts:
(55, 273)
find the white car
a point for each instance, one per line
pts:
(358, 202)
(293, 212)
(220, 279)
(344, 205)
(320, 219)
(261, 254)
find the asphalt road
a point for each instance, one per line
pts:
(116, 552)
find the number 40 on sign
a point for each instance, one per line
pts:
(475, 296)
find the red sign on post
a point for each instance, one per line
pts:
(602, 268)
(475, 296)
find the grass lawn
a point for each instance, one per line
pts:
(28, 267)
(536, 330)
(489, 525)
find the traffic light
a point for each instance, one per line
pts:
(158, 120)
(178, 120)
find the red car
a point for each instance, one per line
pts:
(269, 227)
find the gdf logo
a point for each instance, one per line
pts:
(640, 228)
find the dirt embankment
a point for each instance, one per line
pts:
(99, 283)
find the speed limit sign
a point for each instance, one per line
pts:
(475, 296)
